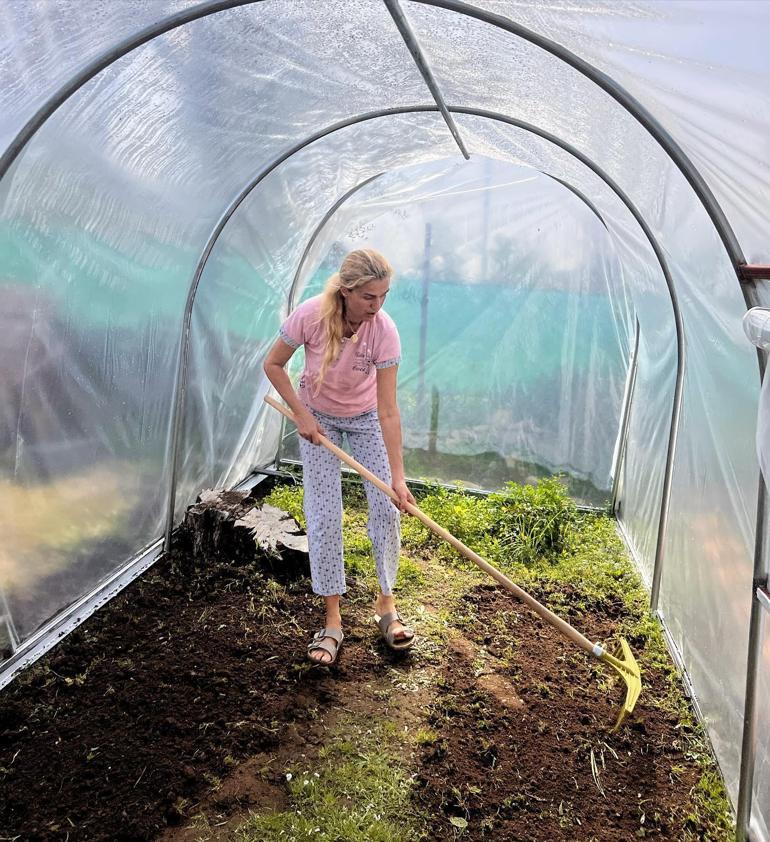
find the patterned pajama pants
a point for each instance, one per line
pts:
(323, 502)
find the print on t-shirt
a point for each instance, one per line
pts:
(362, 360)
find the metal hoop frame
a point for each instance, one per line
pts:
(181, 380)
(662, 137)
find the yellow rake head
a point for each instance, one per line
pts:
(628, 669)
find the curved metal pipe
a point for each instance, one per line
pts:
(314, 236)
(629, 102)
(680, 340)
(751, 298)
(583, 198)
(605, 82)
(181, 380)
(180, 383)
(335, 207)
(608, 84)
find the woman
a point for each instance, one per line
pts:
(352, 352)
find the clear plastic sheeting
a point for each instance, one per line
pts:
(709, 520)
(520, 354)
(103, 219)
(44, 43)
(700, 67)
(513, 317)
(244, 290)
(642, 474)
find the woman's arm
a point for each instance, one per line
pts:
(275, 370)
(390, 421)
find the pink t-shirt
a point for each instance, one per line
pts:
(350, 385)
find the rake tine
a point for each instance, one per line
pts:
(628, 669)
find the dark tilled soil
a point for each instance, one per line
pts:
(138, 710)
(547, 766)
(180, 694)
(121, 730)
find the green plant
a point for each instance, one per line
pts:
(426, 737)
(534, 522)
(290, 498)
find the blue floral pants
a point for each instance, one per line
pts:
(323, 502)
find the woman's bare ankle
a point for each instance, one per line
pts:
(385, 604)
(333, 614)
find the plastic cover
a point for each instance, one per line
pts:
(513, 317)
(44, 43)
(103, 219)
(104, 216)
(700, 67)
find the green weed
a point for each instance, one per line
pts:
(290, 498)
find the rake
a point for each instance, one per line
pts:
(623, 662)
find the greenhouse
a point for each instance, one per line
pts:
(574, 197)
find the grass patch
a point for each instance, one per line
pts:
(359, 791)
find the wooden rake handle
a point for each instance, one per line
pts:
(561, 625)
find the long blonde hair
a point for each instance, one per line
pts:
(358, 268)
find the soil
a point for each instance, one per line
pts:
(188, 694)
(523, 758)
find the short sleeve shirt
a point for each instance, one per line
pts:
(350, 385)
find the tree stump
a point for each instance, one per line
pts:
(232, 527)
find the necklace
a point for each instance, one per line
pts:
(354, 333)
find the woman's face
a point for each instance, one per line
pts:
(364, 302)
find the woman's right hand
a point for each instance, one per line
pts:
(308, 427)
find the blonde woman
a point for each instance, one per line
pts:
(352, 352)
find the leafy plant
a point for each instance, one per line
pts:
(290, 498)
(534, 521)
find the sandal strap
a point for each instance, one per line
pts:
(386, 621)
(319, 641)
(326, 645)
(334, 634)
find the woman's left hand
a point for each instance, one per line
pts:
(404, 494)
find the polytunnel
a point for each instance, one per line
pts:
(574, 196)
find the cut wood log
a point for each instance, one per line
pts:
(232, 527)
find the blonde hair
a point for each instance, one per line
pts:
(358, 268)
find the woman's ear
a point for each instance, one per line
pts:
(344, 292)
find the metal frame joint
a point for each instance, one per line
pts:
(748, 273)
